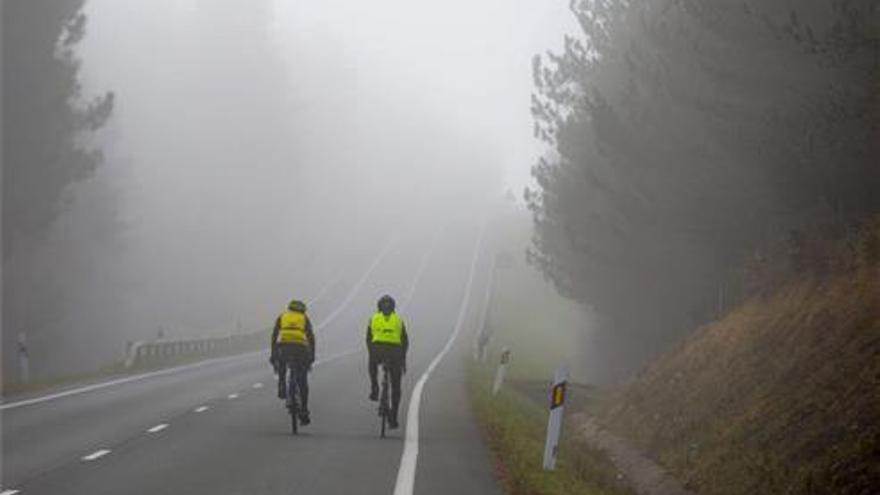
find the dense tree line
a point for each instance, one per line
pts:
(46, 121)
(685, 137)
(59, 217)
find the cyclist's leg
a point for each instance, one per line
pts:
(373, 369)
(281, 368)
(291, 381)
(396, 374)
(302, 382)
(299, 380)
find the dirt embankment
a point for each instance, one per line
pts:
(780, 396)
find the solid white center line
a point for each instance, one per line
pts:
(201, 409)
(257, 385)
(232, 396)
(158, 428)
(406, 473)
(8, 492)
(96, 455)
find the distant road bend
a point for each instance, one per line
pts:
(215, 427)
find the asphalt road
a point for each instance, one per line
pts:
(217, 427)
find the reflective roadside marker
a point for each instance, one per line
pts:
(502, 369)
(554, 423)
(557, 396)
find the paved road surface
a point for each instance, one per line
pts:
(218, 429)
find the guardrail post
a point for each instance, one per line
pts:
(554, 423)
(24, 360)
(501, 371)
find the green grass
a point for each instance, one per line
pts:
(542, 331)
(514, 425)
(15, 388)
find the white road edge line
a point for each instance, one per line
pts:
(201, 409)
(158, 428)
(257, 385)
(423, 263)
(357, 287)
(96, 455)
(326, 289)
(232, 396)
(153, 374)
(406, 474)
(8, 492)
(128, 379)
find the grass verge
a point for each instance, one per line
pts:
(514, 427)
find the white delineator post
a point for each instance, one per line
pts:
(554, 424)
(502, 369)
(24, 362)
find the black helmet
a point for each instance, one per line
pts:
(386, 304)
(297, 305)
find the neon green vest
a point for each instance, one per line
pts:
(292, 328)
(386, 329)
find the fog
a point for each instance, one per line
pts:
(257, 150)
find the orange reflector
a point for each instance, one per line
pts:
(557, 395)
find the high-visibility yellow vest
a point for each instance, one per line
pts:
(386, 329)
(292, 328)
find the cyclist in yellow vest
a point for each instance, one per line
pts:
(293, 350)
(387, 342)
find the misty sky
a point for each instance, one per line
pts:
(468, 63)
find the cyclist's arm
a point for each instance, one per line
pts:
(369, 338)
(404, 340)
(310, 335)
(273, 343)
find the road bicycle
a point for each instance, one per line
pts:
(384, 400)
(292, 402)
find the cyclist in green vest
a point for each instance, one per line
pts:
(387, 342)
(293, 349)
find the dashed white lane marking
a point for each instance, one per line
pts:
(8, 492)
(96, 455)
(158, 428)
(201, 409)
(232, 396)
(406, 474)
(257, 385)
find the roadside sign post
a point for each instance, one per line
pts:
(502, 369)
(24, 362)
(554, 424)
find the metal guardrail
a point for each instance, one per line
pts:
(146, 352)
